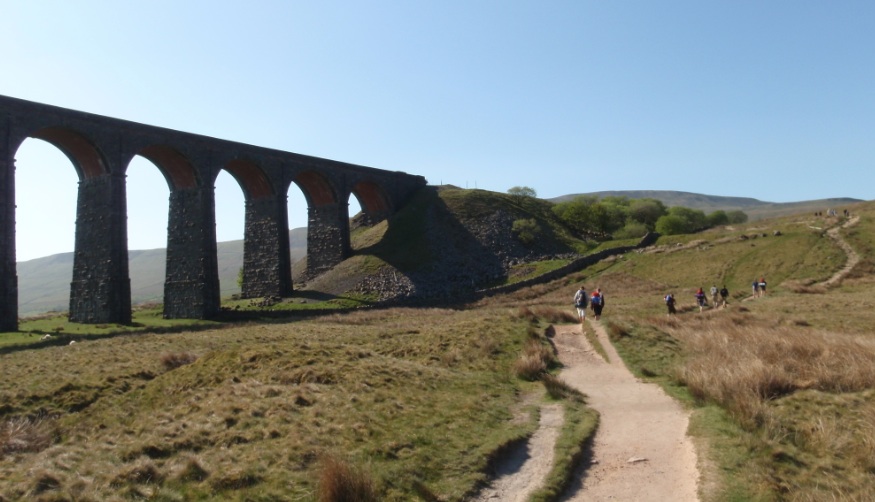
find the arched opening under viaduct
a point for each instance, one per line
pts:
(45, 199)
(147, 211)
(230, 226)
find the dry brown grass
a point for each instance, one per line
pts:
(743, 367)
(804, 287)
(558, 388)
(555, 316)
(173, 360)
(23, 434)
(534, 360)
(143, 471)
(339, 481)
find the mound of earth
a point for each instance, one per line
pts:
(446, 244)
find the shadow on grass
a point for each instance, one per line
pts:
(226, 318)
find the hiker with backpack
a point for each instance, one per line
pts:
(669, 302)
(580, 303)
(724, 294)
(597, 302)
(700, 299)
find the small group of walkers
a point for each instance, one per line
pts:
(759, 287)
(719, 297)
(596, 302)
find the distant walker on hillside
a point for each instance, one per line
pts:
(597, 301)
(580, 303)
(669, 302)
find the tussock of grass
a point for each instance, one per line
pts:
(191, 470)
(530, 367)
(559, 389)
(554, 315)
(534, 361)
(339, 481)
(234, 478)
(143, 471)
(173, 360)
(23, 434)
(44, 481)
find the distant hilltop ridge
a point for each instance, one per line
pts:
(755, 209)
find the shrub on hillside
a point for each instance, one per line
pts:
(632, 230)
(526, 230)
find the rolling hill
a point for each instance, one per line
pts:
(44, 283)
(755, 209)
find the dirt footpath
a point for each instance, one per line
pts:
(641, 451)
(524, 469)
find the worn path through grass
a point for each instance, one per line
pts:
(641, 450)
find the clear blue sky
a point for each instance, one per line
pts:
(766, 99)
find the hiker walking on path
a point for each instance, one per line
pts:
(724, 294)
(700, 299)
(756, 288)
(762, 285)
(597, 302)
(714, 292)
(669, 302)
(580, 303)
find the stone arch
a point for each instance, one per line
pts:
(176, 168)
(373, 200)
(316, 188)
(266, 260)
(251, 177)
(86, 158)
(327, 223)
(191, 283)
(100, 286)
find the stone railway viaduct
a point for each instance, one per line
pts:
(101, 149)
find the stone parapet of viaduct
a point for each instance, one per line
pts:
(101, 148)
